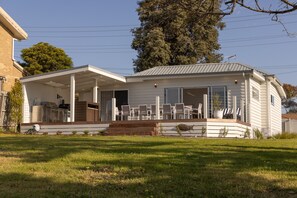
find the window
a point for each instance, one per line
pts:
(272, 100)
(173, 95)
(255, 93)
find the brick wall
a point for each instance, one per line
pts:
(6, 63)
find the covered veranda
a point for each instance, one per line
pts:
(75, 92)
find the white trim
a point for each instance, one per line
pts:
(258, 76)
(73, 71)
(12, 50)
(268, 92)
(18, 66)
(8, 22)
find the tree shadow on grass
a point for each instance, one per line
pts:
(146, 167)
(44, 149)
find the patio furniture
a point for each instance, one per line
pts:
(153, 112)
(167, 112)
(126, 112)
(179, 110)
(238, 113)
(227, 113)
(197, 111)
(143, 112)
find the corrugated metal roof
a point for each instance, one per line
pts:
(205, 68)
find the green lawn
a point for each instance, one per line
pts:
(81, 166)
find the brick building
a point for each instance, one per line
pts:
(9, 68)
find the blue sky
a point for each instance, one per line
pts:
(97, 32)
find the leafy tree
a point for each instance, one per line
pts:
(43, 57)
(15, 98)
(289, 103)
(171, 34)
(269, 7)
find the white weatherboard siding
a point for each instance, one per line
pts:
(145, 92)
(68, 129)
(264, 113)
(212, 129)
(255, 106)
(276, 124)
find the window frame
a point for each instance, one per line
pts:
(255, 93)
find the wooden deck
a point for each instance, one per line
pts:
(199, 128)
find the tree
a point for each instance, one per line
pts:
(289, 103)
(171, 34)
(15, 103)
(43, 57)
(274, 7)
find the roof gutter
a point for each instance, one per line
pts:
(16, 30)
(278, 85)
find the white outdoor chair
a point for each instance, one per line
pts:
(179, 110)
(199, 110)
(167, 113)
(153, 112)
(143, 112)
(126, 112)
(238, 113)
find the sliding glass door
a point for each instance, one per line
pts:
(105, 101)
(172, 95)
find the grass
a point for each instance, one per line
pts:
(84, 166)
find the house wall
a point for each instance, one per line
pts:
(7, 68)
(145, 92)
(276, 114)
(255, 105)
(264, 109)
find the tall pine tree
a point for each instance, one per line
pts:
(176, 32)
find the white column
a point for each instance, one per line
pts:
(234, 107)
(157, 107)
(205, 105)
(26, 106)
(95, 92)
(113, 109)
(242, 110)
(72, 98)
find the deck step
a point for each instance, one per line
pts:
(133, 128)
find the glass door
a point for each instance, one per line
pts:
(105, 108)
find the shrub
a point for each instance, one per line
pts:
(102, 132)
(86, 132)
(224, 132)
(258, 134)
(59, 133)
(247, 133)
(74, 132)
(45, 133)
(203, 131)
(286, 135)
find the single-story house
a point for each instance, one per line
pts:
(289, 121)
(258, 94)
